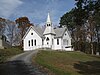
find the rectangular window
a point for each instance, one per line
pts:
(29, 43)
(57, 41)
(35, 42)
(52, 41)
(32, 42)
(42, 42)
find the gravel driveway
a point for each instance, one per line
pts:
(20, 65)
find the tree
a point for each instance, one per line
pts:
(23, 24)
(76, 21)
(68, 20)
(10, 31)
(2, 25)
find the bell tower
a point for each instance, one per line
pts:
(49, 33)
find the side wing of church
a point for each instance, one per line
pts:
(56, 39)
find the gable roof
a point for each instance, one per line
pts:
(60, 32)
(37, 29)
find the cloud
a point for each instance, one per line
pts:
(7, 7)
(35, 10)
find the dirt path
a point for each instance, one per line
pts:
(20, 65)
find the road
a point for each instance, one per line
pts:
(20, 65)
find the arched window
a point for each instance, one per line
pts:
(35, 42)
(52, 41)
(57, 41)
(47, 39)
(42, 42)
(29, 43)
(49, 24)
(32, 42)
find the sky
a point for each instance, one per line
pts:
(35, 10)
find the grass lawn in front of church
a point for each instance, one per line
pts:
(9, 52)
(69, 63)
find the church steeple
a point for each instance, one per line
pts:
(49, 29)
(48, 22)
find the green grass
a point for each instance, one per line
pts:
(7, 53)
(69, 63)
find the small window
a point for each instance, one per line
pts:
(31, 33)
(49, 24)
(47, 43)
(35, 42)
(57, 41)
(32, 42)
(29, 43)
(65, 34)
(47, 39)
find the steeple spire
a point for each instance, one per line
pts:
(48, 18)
(48, 22)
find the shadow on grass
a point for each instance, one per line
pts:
(14, 68)
(88, 68)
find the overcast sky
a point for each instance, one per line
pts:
(35, 10)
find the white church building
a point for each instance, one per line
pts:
(53, 38)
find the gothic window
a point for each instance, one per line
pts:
(42, 41)
(57, 41)
(29, 43)
(35, 42)
(47, 39)
(52, 41)
(32, 42)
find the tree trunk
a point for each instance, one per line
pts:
(92, 51)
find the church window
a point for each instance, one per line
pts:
(42, 42)
(32, 42)
(35, 42)
(52, 41)
(31, 33)
(65, 34)
(57, 41)
(47, 43)
(47, 39)
(49, 24)
(29, 43)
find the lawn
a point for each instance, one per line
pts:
(7, 53)
(69, 63)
